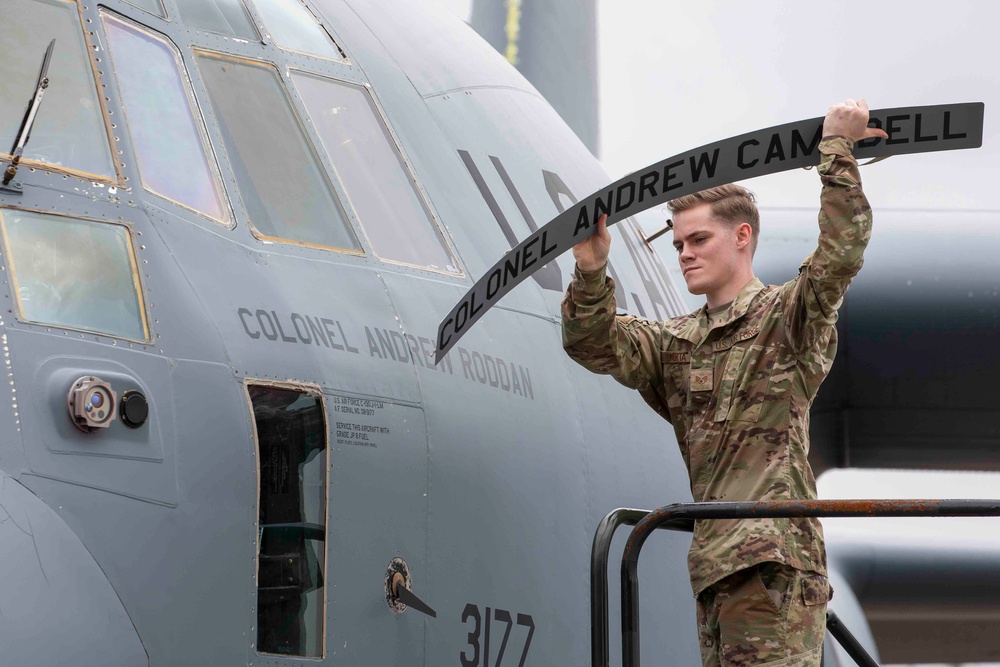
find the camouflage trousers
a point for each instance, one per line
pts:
(769, 614)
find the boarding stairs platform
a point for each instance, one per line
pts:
(681, 517)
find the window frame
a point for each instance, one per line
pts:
(197, 113)
(132, 3)
(109, 127)
(320, 155)
(133, 266)
(311, 389)
(343, 60)
(249, 11)
(397, 147)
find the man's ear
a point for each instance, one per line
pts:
(744, 235)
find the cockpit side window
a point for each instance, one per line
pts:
(281, 179)
(293, 27)
(70, 132)
(225, 17)
(291, 433)
(74, 273)
(168, 137)
(379, 185)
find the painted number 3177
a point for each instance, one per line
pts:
(491, 631)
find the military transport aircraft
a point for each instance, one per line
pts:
(226, 248)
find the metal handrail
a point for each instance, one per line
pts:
(848, 641)
(681, 516)
(599, 633)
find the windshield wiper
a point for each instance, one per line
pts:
(24, 133)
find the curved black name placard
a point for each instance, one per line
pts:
(910, 129)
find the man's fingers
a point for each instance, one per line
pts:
(850, 119)
(602, 226)
(592, 253)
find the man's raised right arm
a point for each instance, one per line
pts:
(626, 348)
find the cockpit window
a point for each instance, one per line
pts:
(293, 27)
(290, 426)
(281, 179)
(151, 6)
(225, 17)
(378, 183)
(168, 137)
(69, 132)
(74, 273)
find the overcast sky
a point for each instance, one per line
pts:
(677, 75)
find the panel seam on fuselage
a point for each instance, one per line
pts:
(541, 316)
(482, 87)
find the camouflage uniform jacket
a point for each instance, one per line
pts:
(738, 394)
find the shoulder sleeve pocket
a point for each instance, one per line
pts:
(816, 589)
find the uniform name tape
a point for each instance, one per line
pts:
(768, 151)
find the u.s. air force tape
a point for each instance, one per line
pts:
(910, 129)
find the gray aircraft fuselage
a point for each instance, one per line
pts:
(300, 443)
(486, 474)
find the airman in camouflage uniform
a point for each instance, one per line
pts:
(736, 379)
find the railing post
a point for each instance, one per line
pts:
(630, 579)
(600, 654)
(848, 641)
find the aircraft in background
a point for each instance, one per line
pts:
(554, 44)
(225, 253)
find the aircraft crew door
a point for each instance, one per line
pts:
(292, 453)
(342, 483)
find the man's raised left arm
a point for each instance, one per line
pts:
(845, 223)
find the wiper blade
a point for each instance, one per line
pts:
(24, 133)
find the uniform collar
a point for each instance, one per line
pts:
(691, 327)
(741, 303)
(694, 326)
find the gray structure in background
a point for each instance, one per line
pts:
(556, 50)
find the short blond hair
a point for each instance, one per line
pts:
(731, 204)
